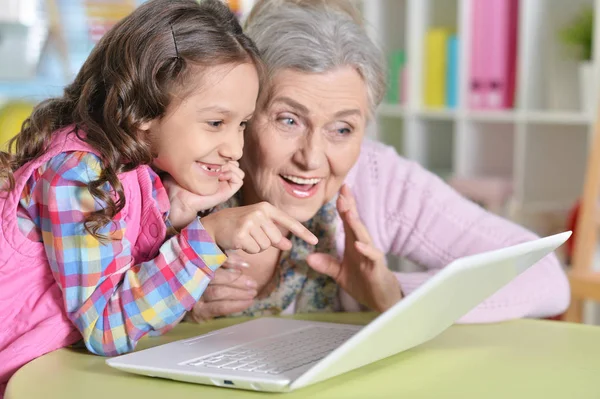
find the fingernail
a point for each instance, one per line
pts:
(252, 293)
(233, 270)
(237, 263)
(251, 284)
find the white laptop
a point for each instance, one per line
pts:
(280, 355)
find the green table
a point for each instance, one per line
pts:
(517, 359)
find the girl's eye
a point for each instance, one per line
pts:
(215, 123)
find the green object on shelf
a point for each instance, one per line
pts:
(579, 33)
(396, 61)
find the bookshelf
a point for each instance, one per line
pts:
(539, 145)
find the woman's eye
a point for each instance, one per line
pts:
(341, 129)
(215, 123)
(288, 121)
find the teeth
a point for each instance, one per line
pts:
(209, 169)
(300, 180)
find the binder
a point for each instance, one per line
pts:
(452, 72)
(500, 68)
(396, 62)
(435, 67)
(477, 56)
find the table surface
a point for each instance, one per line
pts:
(516, 359)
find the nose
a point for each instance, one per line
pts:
(311, 153)
(233, 146)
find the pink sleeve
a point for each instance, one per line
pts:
(426, 221)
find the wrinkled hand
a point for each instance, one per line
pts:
(185, 205)
(254, 228)
(363, 272)
(229, 292)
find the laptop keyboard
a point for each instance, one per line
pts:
(276, 355)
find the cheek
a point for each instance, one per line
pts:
(340, 163)
(267, 156)
(343, 159)
(253, 164)
(267, 166)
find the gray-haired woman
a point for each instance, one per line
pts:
(306, 154)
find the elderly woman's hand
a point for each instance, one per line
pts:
(229, 292)
(363, 272)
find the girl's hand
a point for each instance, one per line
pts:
(231, 180)
(185, 205)
(254, 228)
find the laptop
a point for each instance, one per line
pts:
(280, 355)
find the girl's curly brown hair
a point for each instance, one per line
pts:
(130, 78)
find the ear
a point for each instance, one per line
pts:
(146, 126)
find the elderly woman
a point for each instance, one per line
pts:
(306, 154)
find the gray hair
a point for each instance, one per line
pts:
(316, 40)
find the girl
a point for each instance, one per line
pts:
(84, 246)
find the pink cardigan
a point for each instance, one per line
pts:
(413, 214)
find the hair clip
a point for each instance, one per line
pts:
(174, 42)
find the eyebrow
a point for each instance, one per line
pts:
(303, 109)
(215, 108)
(348, 112)
(291, 103)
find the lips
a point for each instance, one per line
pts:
(300, 186)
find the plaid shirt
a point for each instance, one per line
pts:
(111, 300)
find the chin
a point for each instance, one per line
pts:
(206, 189)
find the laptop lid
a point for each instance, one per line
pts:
(433, 307)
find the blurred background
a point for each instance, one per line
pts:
(497, 97)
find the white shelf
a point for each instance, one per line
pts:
(400, 111)
(391, 110)
(559, 118)
(539, 117)
(493, 116)
(437, 114)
